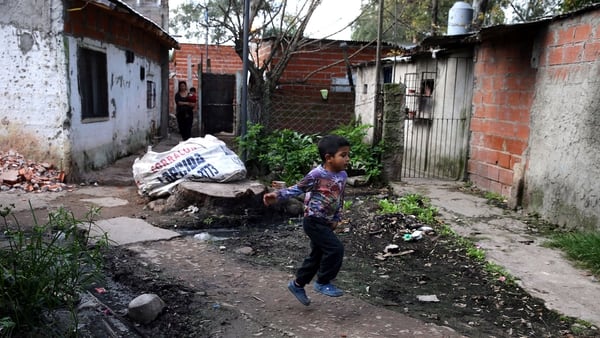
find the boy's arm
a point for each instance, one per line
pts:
(306, 184)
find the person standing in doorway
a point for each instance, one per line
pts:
(184, 109)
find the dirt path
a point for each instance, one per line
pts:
(261, 295)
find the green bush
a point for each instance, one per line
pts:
(364, 158)
(45, 267)
(288, 155)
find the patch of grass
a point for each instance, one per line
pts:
(492, 196)
(582, 247)
(411, 204)
(476, 253)
(499, 273)
(45, 266)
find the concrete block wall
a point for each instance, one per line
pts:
(564, 162)
(503, 94)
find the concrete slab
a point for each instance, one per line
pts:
(225, 190)
(106, 202)
(545, 273)
(126, 230)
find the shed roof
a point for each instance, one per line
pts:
(146, 24)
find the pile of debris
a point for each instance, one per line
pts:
(18, 173)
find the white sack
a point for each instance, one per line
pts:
(204, 159)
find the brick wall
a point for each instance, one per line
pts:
(533, 89)
(503, 94)
(223, 60)
(297, 102)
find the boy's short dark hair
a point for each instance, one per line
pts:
(330, 144)
(193, 89)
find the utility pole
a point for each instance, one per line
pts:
(377, 114)
(244, 105)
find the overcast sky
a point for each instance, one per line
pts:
(330, 16)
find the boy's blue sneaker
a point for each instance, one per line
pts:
(299, 293)
(328, 289)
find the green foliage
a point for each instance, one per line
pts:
(583, 247)
(285, 154)
(476, 253)
(347, 204)
(533, 10)
(46, 267)
(571, 5)
(412, 204)
(492, 196)
(499, 273)
(288, 155)
(253, 145)
(404, 21)
(363, 157)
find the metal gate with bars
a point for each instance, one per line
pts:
(436, 127)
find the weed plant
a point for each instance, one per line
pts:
(411, 204)
(44, 267)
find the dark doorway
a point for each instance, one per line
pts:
(218, 100)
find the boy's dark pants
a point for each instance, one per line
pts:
(326, 255)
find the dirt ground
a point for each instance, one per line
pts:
(214, 289)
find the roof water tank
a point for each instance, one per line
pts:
(459, 18)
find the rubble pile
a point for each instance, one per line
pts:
(18, 173)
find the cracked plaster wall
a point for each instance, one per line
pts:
(33, 81)
(564, 163)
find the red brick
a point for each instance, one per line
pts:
(582, 33)
(515, 146)
(591, 51)
(492, 173)
(565, 35)
(522, 132)
(503, 160)
(505, 176)
(495, 186)
(555, 56)
(572, 54)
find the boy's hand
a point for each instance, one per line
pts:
(270, 198)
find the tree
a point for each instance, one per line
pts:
(571, 5)
(404, 21)
(528, 10)
(275, 24)
(410, 21)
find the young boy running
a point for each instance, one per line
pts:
(324, 197)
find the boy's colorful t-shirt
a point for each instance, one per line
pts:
(324, 193)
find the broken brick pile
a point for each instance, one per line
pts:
(18, 173)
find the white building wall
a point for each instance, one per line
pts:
(365, 98)
(33, 82)
(129, 125)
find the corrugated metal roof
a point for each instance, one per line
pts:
(438, 43)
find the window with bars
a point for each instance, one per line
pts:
(419, 94)
(93, 84)
(150, 94)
